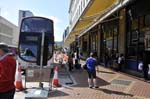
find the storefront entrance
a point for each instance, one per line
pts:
(109, 42)
(138, 26)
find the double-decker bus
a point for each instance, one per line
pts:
(30, 30)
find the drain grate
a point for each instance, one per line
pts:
(121, 82)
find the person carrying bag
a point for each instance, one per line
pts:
(91, 66)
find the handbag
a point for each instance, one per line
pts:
(85, 66)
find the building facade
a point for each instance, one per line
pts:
(8, 32)
(110, 28)
(22, 14)
(75, 11)
(66, 32)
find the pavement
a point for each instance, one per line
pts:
(112, 85)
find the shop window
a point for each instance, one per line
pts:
(134, 24)
(94, 42)
(109, 42)
(115, 31)
(147, 20)
(142, 22)
(147, 40)
(84, 46)
(134, 38)
(141, 38)
(132, 51)
(140, 51)
(135, 35)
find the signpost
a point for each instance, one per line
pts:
(39, 93)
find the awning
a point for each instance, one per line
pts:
(95, 10)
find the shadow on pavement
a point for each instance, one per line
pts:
(81, 78)
(107, 91)
(102, 82)
(57, 93)
(22, 91)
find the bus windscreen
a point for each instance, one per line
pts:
(37, 25)
(31, 31)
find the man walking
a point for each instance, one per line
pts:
(146, 59)
(7, 73)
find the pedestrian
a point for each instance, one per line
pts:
(72, 55)
(55, 57)
(76, 58)
(146, 61)
(92, 66)
(70, 62)
(60, 57)
(120, 61)
(106, 59)
(7, 73)
(65, 59)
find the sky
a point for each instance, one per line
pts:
(53, 9)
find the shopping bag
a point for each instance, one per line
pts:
(140, 66)
(148, 68)
(85, 66)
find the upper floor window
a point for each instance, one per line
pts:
(83, 3)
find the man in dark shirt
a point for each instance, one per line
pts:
(146, 62)
(7, 73)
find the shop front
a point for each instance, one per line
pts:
(109, 42)
(84, 46)
(93, 39)
(138, 29)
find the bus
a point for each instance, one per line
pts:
(30, 30)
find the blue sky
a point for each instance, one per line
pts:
(53, 9)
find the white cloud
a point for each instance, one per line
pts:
(57, 29)
(55, 19)
(5, 14)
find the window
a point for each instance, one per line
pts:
(135, 24)
(135, 33)
(83, 3)
(109, 38)
(81, 7)
(37, 25)
(147, 20)
(94, 41)
(79, 10)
